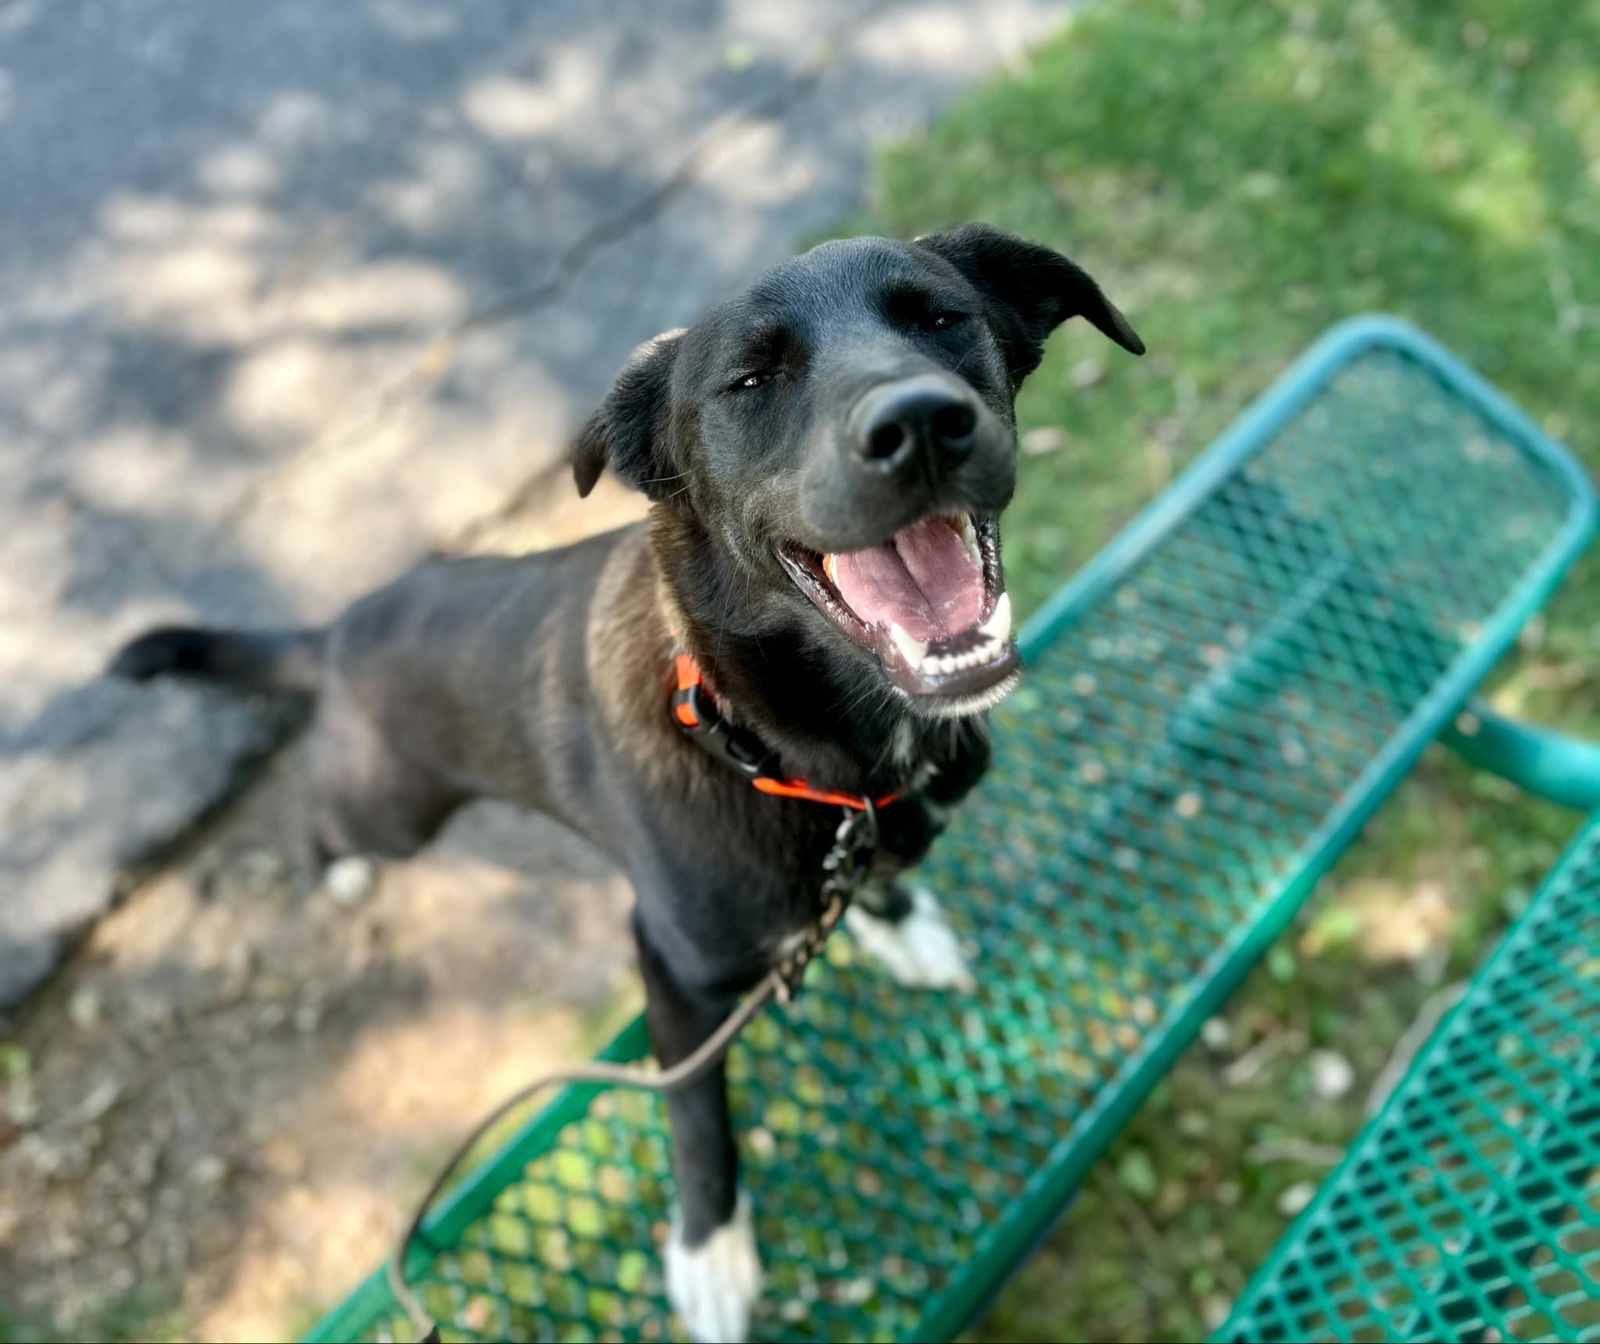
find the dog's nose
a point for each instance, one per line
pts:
(916, 417)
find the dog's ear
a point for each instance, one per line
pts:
(626, 432)
(1033, 290)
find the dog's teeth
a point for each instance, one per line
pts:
(942, 665)
(912, 649)
(970, 536)
(828, 569)
(998, 626)
(985, 652)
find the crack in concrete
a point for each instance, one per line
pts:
(438, 354)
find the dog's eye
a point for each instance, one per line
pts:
(751, 380)
(943, 321)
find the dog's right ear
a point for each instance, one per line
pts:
(626, 432)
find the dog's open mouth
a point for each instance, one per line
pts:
(930, 602)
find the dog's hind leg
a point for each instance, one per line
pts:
(369, 800)
(713, 1270)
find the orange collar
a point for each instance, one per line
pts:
(694, 710)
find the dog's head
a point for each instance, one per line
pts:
(843, 433)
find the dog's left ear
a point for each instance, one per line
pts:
(1033, 290)
(627, 431)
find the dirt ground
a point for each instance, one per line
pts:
(214, 1118)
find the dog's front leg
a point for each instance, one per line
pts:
(903, 927)
(713, 1270)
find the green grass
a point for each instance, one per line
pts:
(1239, 174)
(142, 1313)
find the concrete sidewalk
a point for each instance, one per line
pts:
(290, 294)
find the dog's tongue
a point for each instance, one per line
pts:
(924, 580)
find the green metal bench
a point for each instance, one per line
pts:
(1215, 705)
(1469, 1208)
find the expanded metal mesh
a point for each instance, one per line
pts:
(1181, 761)
(1470, 1208)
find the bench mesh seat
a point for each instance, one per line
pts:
(1469, 1209)
(1214, 705)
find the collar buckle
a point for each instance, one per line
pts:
(697, 717)
(694, 710)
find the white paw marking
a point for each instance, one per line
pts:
(350, 880)
(920, 950)
(714, 1285)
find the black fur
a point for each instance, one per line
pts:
(626, 431)
(1032, 291)
(281, 660)
(545, 678)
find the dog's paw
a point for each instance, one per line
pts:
(351, 880)
(714, 1285)
(919, 950)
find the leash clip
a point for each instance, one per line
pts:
(855, 840)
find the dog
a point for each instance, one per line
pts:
(827, 456)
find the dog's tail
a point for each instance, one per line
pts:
(284, 661)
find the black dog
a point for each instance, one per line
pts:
(828, 455)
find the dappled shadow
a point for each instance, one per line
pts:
(294, 294)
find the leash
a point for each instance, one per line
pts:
(844, 866)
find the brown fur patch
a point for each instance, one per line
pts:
(628, 653)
